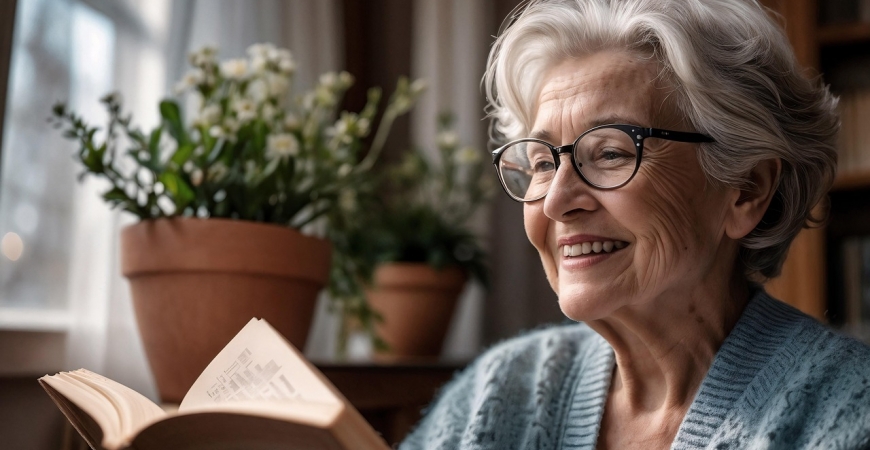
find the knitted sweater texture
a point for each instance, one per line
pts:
(781, 380)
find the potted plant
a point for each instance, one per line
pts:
(221, 200)
(407, 257)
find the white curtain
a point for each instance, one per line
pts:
(449, 47)
(150, 57)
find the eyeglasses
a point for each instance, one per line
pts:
(605, 157)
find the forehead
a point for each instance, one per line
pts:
(604, 87)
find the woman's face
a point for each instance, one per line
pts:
(664, 229)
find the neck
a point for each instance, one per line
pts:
(665, 347)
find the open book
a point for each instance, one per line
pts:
(258, 393)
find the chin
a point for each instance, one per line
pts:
(585, 304)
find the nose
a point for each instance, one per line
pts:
(568, 194)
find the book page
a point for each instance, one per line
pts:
(118, 410)
(259, 364)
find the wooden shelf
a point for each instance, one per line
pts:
(846, 33)
(855, 179)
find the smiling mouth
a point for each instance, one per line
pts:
(588, 248)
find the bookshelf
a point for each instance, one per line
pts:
(812, 278)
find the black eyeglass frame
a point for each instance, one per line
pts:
(637, 134)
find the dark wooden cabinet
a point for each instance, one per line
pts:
(390, 396)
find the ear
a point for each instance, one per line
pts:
(749, 205)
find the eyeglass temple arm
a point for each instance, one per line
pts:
(679, 136)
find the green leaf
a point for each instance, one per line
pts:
(178, 189)
(154, 143)
(171, 113)
(117, 195)
(182, 155)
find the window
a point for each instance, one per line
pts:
(57, 242)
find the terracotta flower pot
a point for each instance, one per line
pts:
(417, 303)
(197, 282)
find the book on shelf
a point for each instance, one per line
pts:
(258, 392)
(854, 152)
(856, 279)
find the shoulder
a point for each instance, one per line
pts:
(819, 389)
(494, 401)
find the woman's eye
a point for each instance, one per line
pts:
(613, 154)
(543, 165)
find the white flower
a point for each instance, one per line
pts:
(190, 79)
(259, 63)
(261, 50)
(196, 177)
(278, 84)
(210, 114)
(231, 125)
(258, 90)
(245, 109)
(341, 127)
(348, 127)
(325, 96)
(447, 139)
(268, 112)
(329, 80)
(284, 61)
(216, 131)
(417, 87)
(401, 104)
(291, 122)
(362, 127)
(344, 170)
(467, 156)
(207, 56)
(234, 69)
(346, 79)
(217, 171)
(281, 145)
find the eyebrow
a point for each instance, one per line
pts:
(546, 135)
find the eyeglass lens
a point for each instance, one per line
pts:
(607, 157)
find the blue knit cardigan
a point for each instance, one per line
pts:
(781, 380)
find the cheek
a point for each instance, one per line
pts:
(535, 223)
(537, 226)
(678, 225)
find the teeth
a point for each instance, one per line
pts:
(592, 247)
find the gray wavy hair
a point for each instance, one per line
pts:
(735, 78)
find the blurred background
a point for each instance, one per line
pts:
(63, 302)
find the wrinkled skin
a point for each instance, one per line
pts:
(668, 299)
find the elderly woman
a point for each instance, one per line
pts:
(667, 152)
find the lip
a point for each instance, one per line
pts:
(580, 262)
(581, 238)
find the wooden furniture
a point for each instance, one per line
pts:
(390, 396)
(805, 277)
